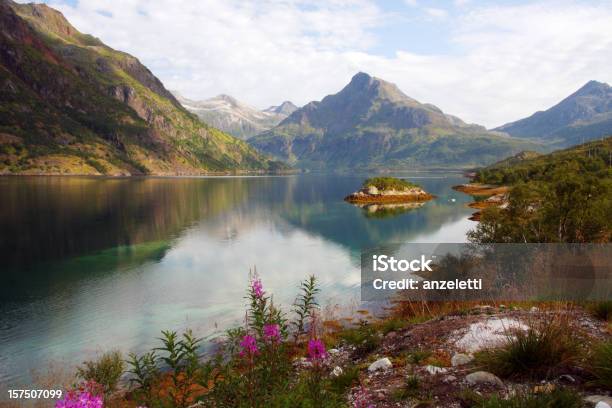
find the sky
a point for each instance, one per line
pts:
(488, 62)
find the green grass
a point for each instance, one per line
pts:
(364, 337)
(418, 356)
(349, 377)
(409, 390)
(602, 310)
(536, 353)
(560, 398)
(388, 183)
(601, 364)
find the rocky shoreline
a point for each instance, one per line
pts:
(373, 195)
(497, 196)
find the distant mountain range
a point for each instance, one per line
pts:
(69, 104)
(370, 123)
(584, 115)
(234, 117)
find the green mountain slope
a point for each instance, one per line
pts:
(592, 158)
(584, 115)
(372, 124)
(71, 105)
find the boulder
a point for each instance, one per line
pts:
(380, 364)
(372, 190)
(599, 400)
(337, 371)
(461, 359)
(433, 370)
(483, 377)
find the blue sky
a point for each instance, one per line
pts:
(488, 62)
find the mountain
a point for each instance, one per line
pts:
(584, 115)
(235, 117)
(286, 108)
(71, 105)
(370, 123)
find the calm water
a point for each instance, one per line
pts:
(93, 264)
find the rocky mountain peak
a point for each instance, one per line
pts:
(286, 108)
(594, 88)
(363, 85)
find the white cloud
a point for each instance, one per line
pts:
(507, 61)
(436, 12)
(411, 3)
(460, 3)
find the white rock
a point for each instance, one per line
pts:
(534, 309)
(461, 359)
(433, 370)
(381, 364)
(337, 371)
(602, 404)
(372, 190)
(449, 379)
(491, 332)
(597, 399)
(333, 351)
(483, 377)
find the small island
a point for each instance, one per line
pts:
(388, 190)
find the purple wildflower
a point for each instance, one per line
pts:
(257, 288)
(316, 349)
(249, 346)
(80, 399)
(362, 399)
(272, 332)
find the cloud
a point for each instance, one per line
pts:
(436, 12)
(507, 61)
(411, 3)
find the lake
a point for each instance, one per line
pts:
(91, 264)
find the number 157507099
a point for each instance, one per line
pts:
(34, 394)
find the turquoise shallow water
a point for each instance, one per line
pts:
(92, 264)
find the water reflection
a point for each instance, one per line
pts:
(93, 264)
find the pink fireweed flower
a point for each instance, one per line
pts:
(362, 399)
(257, 288)
(272, 332)
(316, 350)
(249, 346)
(80, 399)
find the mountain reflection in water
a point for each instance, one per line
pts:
(91, 264)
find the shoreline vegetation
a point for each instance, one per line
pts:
(416, 354)
(388, 190)
(564, 196)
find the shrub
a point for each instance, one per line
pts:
(364, 337)
(106, 370)
(602, 310)
(601, 364)
(388, 183)
(392, 324)
(537, 352)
